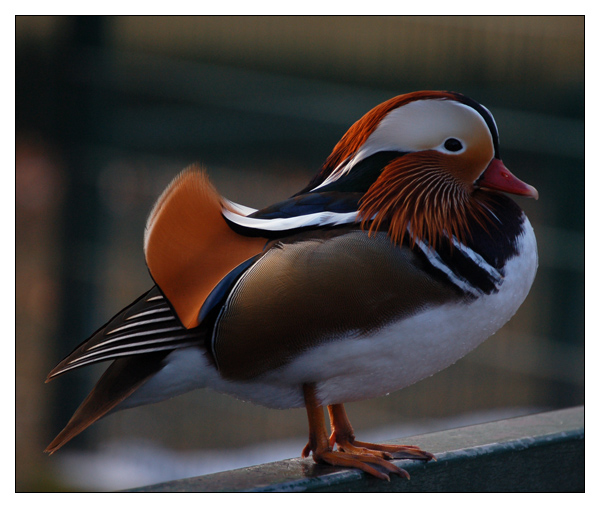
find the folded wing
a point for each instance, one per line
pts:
(315, 287)
(188, 245)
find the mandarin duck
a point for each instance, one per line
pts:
(400, 256)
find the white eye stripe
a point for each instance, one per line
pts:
(422, 125)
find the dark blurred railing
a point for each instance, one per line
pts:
(537, 453)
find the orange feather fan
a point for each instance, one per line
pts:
(415, 191)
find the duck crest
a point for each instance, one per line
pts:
(356, 136)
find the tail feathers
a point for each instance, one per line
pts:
(146, 326)
(188, 245)
(118, 382)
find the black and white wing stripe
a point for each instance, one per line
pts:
(332, 202)
(306, 211)
(286, 224)
(147, 325)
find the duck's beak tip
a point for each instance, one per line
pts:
(498, 177)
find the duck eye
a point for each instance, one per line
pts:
(452, 145)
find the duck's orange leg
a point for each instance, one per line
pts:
(342, 434)
(318, 444)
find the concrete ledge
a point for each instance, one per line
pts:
(537, 453)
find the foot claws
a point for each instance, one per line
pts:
(364, 456)
(363, 461)
(398, 451)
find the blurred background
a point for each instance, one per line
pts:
(110, 109)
